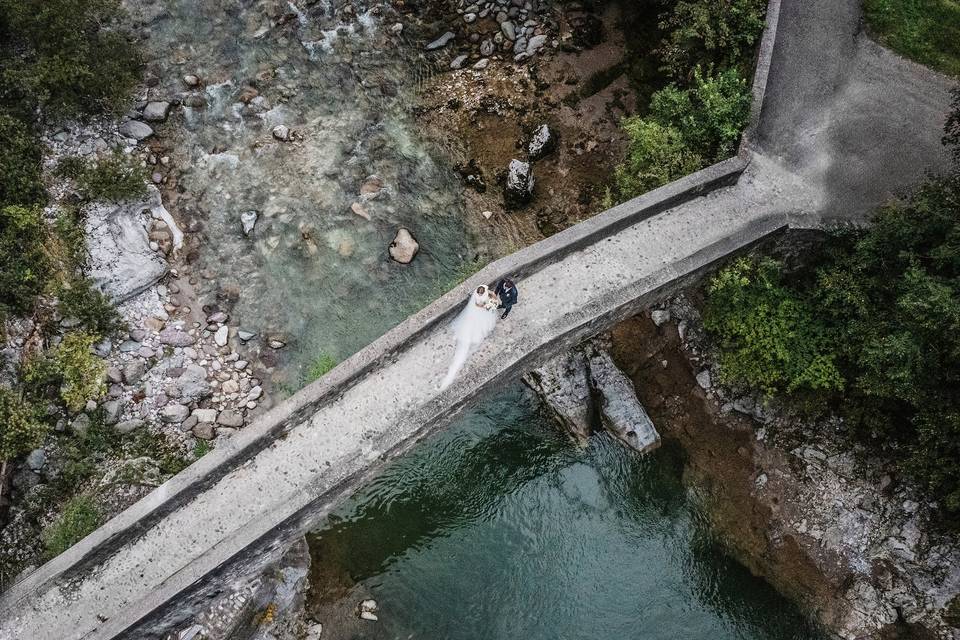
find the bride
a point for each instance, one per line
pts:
(471, 327)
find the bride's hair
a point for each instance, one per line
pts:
(481, 289)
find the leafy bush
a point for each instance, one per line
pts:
(81, 300)
(80, 517)
(770, 337)
(71, 367)
(951, 135)
(721, 33)
(114, 178)
(24, 265)
(885, 331)
(20, 160)
(21, 425)
(686, 130)
(63, 57)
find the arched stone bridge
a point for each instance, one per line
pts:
(838, 125)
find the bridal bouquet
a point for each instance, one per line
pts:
(493, 301)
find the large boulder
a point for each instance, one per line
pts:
(192, 384)
(564, 384)
(136, 130)
(620, 411)
(519, 187)
(121, 262)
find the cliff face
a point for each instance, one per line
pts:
(826, 524)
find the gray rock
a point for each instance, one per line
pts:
(114, 375)
(111, 411)
(204, 430)
(620, 411)
(156, 111)
(220, 337)
(487, 48)
(457, 62)
(542, 143)
(536, 42)
(703, 379)
(246, 336)
(121, 262)
(133, 371)
(189, 423)
(129, 426)
(192, 384)
(441, 41)
(80, 425)
(404, 247)
(519, 188)
(205, 415)
(248, 220)
(230, 418)
(660, 316)
(129, 346)
(509, 31)
(191, 80)
(564, 384)
(136, 130)
(174, 413)
(481, 64)
(469, 18)
(176, 337)
(217, 317)
(36, 459)
(281, 132)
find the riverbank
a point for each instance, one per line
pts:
(831, 528)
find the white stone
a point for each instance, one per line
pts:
(220, 337)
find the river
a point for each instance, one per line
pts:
(501, 527)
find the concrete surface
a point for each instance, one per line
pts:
(842, 124)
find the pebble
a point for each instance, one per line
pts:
(482, 64)
(441, 41)
(457, 62)
(220, 337)
(281, 132)
(240, 365)
(246, 336)
(230, 418)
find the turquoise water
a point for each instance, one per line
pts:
(502, 528)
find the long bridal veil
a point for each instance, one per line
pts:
(470, 328)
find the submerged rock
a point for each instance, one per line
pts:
(248, 219)
(404, 247)
(519, 188)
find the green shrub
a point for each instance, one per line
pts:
(65, 57)
(769, 337)
(20, 162)
(81, 300)
(71, 366)
(113, 178)
(79, 518)
(657, 155)
(22, 427)
(24, 264)
(878, 319)
(686, 130)
(721, 33)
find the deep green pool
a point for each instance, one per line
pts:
(502, 528)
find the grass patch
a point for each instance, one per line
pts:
(114, 178)
(80, 516)
(926, 31)
(321, 366)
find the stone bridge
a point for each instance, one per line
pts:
(838, 125)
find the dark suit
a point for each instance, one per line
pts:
(507, 298)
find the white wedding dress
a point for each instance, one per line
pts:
(470, 328)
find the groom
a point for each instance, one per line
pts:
(508, 295)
